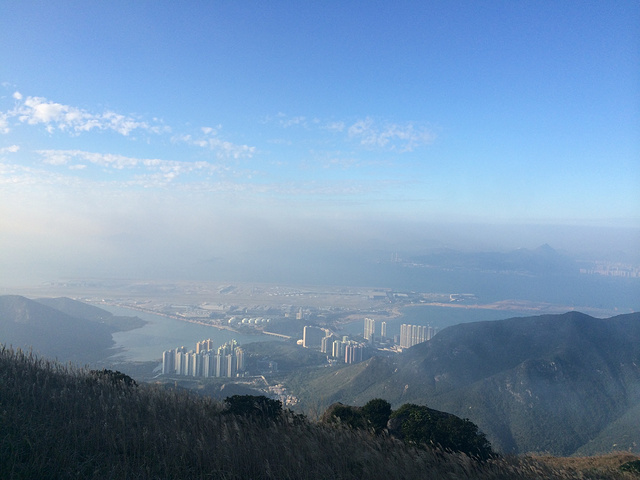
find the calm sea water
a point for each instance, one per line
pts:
(161, 333)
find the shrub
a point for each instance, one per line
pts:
(254, 406)
(345, 415)
(116, 378)
(419, 424)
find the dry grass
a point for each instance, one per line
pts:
(59, 422)
(590, 465)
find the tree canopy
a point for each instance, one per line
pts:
(419, 424)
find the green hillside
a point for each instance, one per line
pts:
(552, 383)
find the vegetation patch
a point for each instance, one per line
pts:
(60, 422)
(633, 466)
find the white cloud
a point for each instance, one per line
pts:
(59, 117)
(211, 130)
(56, 116)
(9, 149)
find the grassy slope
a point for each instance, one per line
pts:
(58, 422)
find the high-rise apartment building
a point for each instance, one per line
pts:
(353, 353)
(230, 365)
(326, 345)
(204, 345)
(217, 372)
(369, 328)
(337, 349)
(239, 359)
(169, 362)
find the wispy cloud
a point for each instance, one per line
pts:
(21, 176)
(370, 133)
(393, 136)
(4, 123)
(287, 122)
(223, 149)
(160, 171)
(53, 116)
(335, 126)
(56, 116)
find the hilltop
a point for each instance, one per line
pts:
(564, 384)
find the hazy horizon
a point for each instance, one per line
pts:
(198, 141)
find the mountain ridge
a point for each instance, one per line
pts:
(550, 383)
(542, 260)
(62, 328)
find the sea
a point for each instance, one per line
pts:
(163, 333)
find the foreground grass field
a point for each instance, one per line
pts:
(58, 421)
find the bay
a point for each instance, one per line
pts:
(162, 333)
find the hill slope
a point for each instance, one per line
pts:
(551, 383)
(92, 313)
(30, 324)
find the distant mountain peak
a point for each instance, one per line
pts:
(546, 248)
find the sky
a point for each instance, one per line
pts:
(154, 139)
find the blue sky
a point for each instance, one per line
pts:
(146, 134)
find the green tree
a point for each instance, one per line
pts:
(377, 413)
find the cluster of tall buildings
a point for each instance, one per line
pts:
(225, 361)
(351, 351)
(411, 335)
(343, 349)
(370, 330)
